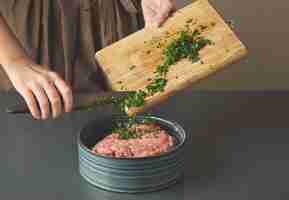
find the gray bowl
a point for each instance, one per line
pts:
(129, 175)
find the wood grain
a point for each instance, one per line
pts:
(144, 48)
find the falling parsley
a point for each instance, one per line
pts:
(186, 46)
(126, 129)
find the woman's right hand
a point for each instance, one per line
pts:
(41, 89)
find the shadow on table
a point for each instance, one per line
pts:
(89, 192)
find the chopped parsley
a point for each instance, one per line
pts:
(187, 45)
(125, 128)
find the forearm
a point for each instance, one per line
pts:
(11, 51)
(43, 90)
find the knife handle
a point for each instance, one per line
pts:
(23, 108)
(19, 109)
(82, 102)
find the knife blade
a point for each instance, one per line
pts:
(81, 101)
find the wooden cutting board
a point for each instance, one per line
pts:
(141, 50)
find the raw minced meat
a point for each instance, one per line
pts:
(151, 140)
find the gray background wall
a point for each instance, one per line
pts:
(262, 26)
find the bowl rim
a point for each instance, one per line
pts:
(171, 151)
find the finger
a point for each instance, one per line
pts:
(54, 98)
(30, 100)
(149, 16)
(65, 92)
(165, 10)
(169, 6)
(162, 18)
(42, 100)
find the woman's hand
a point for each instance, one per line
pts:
(41, 90)
(156, 12)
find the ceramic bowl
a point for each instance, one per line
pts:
(129, 175)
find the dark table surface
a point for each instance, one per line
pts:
(238, 140)
(237, 149)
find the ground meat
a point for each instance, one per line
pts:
(151, 140)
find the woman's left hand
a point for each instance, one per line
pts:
(156, 12)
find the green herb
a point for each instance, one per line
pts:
(132, 99)
(124, 132)
(157, 85)
(125, 128)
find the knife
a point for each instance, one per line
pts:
(81, 101)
